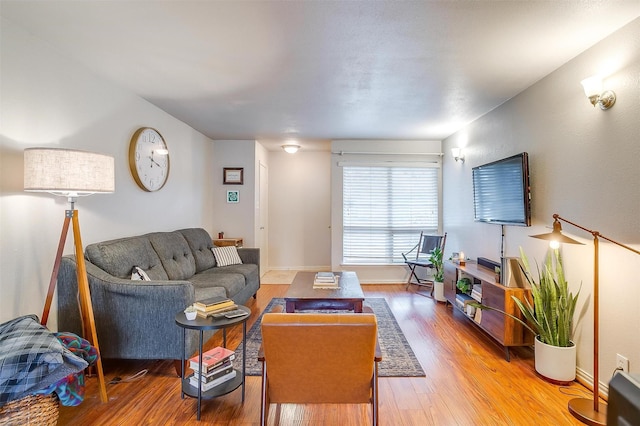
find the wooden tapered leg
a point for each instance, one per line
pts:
(178, 366)
(56, 266)
(264, 401)
(86, 307)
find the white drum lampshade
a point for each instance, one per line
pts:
(68, 172)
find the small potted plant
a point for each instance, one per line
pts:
(438, 277)
(190, 312)
(464, 285)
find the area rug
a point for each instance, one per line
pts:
(398, 359)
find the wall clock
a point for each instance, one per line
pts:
(149, 159)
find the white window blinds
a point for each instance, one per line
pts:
(384, 210)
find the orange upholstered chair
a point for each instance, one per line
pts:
(323, 358)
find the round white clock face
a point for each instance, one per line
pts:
(149, 159)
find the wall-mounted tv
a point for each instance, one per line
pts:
(501, 193)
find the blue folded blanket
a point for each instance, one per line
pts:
(32, 359)
(70, 390)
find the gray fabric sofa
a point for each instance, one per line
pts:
(136, 319)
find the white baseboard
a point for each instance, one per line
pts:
(586, 379)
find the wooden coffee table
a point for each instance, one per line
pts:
(302, 295)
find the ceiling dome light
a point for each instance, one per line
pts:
(291, 148)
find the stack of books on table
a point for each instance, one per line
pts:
(214, 305)
(325, 280)
(217, 368)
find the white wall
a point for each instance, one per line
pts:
(584, 166)
(236, 220)
(48, 100)
(300, 210)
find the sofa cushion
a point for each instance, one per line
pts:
(249, 271)
(232, 283)
(203, 293)
(174, 253)
(200, 243)
(118, 257)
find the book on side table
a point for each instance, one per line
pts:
(212, 359)
(212, 384)
(217, 368)
(213, 302)
(214, 305)
(214, 374)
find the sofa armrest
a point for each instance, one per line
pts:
(250, 255)
(125, 311)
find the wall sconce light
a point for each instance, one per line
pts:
(291, 148)
(593, 89)
(458, 155)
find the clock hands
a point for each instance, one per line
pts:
(154, 161)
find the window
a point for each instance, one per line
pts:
(384, 210)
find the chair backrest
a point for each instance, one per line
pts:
(429, 242)
(319, 358)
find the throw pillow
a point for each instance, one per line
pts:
(138, 274)
(226, 255)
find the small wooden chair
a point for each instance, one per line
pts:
(310, 358)
(423, 250)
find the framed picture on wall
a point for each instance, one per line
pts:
(233, 176)
(233, 196)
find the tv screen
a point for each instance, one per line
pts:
(501, 193)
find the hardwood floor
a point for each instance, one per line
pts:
(468, 382)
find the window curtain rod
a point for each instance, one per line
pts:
(431, 154)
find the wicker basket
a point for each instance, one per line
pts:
(31, 410)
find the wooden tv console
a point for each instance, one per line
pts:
(504, 330)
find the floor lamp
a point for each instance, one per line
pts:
(591, 412)
(71, 174)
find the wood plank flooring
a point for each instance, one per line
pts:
(468, 382)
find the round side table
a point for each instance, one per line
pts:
(202, 324)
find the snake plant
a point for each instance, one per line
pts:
(551, 314)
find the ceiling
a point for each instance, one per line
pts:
(322, 70)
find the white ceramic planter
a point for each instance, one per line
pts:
(190, 313)
(555, 363)
(438, 291)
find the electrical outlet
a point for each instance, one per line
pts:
(622, 363)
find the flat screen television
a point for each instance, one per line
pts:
(501, 192)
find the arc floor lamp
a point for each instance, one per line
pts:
(591, 412)
(72, 174)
